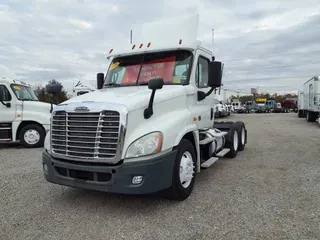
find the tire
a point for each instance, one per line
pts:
(308, 116)
(242, 133)
(179, 191)
(32, 136)
(300, 114)
(232, 142)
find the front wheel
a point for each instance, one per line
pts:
(32, 136)
(184, 172)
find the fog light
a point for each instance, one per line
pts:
(137, 179)
(45, 168)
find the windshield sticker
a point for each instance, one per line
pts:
(17, 88)
(114, 65)
(158, 68)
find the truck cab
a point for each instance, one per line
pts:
(22, 117)
(271, 105)
(81, 89)
(236, 106)
(250, 106)
(150, 125)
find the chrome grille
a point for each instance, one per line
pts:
(85, 135)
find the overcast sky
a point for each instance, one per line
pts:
(273, 45)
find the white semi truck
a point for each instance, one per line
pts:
(80, 89)
(22, 117)
(311, 96)
(150, 125)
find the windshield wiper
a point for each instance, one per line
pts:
(142, 84)
(113, 84)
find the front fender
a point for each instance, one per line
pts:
(174, 125)
(40, 117)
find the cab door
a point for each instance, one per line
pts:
(205, 107)
(7, 105)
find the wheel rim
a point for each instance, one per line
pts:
(243, 136)
(235, 140)
(186, 169)
(32, 137)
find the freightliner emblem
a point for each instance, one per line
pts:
(81, 109)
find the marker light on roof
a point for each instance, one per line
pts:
(141, 45)
(180, 41)
(149, 44)
(110, 50)
(133, 46)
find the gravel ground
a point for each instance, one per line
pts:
(270, 191)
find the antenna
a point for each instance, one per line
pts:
(130, 36)
(213, 57)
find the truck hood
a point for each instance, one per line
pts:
(35, 106)
(133, 97)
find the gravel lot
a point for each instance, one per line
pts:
(270, 191)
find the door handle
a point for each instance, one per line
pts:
(211, 116)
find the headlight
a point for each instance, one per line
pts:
(47, 142)
(148, 144)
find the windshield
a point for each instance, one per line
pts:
(172, 66)
(24, 92)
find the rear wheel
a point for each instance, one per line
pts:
(242, 135)
(232, 141)
(184, 172)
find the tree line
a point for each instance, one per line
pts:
(275, 96)
(44, 96)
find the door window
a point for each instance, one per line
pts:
(202, 72)
(4, 93)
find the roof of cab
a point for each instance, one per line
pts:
(7, 76)
(162, 35)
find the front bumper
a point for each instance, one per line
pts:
(156, 172)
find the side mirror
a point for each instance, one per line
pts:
(100, 80)
(54, 89)
(215, 74)
(155, 83)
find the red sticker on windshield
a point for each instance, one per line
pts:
(158, 68)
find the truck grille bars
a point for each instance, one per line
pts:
(85, 136)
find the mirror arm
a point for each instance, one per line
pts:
(148, 112)
(209, 92)
(8, 105)
(51, 109)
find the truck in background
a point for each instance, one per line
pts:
(145, 130)
(22, 117)
(236, 105)
(80, 89)
(278, 108)
(261, 105)
(288, 105)
(250, 106)
(311, 96)
(270, 105)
